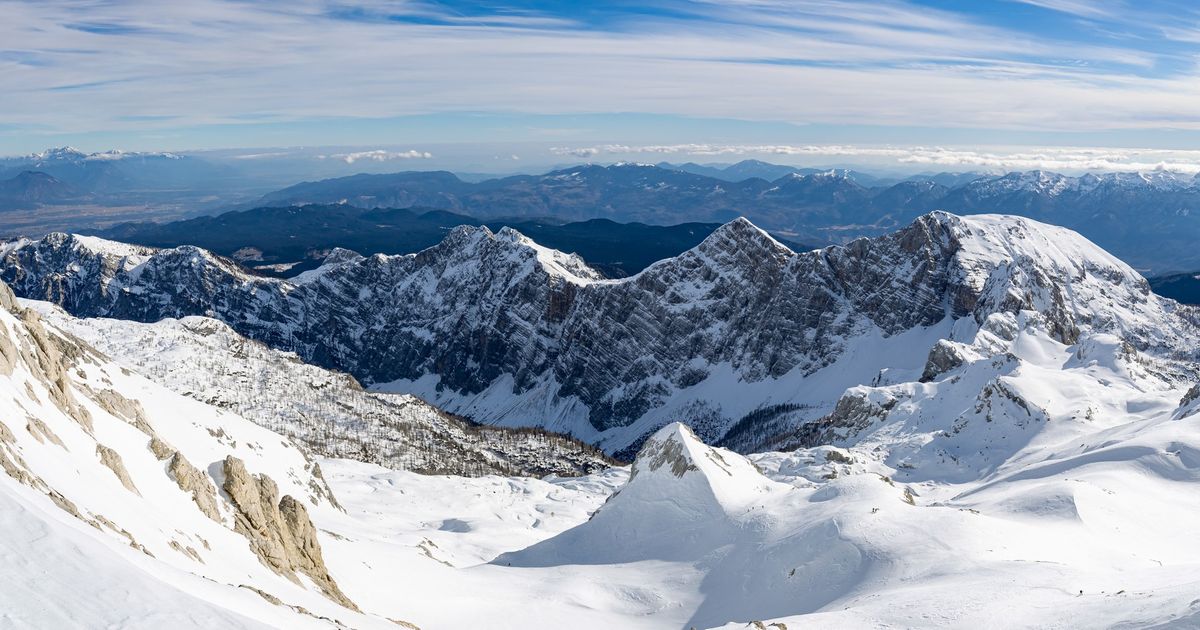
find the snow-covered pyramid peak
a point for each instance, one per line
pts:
(675, 450)
(683, 499)
(738, 250)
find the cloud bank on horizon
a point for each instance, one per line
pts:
(1067, 159)
(281, 73)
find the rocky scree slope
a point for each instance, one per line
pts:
(740, 336)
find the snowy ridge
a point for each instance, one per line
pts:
(1055, 184)
(71, 154)
(570, 267)
(740, 337)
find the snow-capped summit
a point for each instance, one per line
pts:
(1042, 182)
(64, 154)
(569, 267)
(73, 155)
(675, 450)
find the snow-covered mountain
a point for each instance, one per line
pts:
(74, 156)
(971, 420)
(740, 336)
(327, 412)
(125, 504)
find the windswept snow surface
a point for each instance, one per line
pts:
(1037, 484)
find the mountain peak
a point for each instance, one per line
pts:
(58, 153)
(674, 446)
(36, 176)
(675, 451)
(567, 266)
(740, 235)
(478, 239)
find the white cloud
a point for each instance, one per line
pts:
(378, 155)
(876, 62)
(581, 152)
(262, 156)
(1068, 159)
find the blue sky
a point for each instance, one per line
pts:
(607, 79)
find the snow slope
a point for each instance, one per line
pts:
(116, 510)
(1035, 484)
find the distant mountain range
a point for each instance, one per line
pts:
(284, 241)
(66, 188)
(749, 169)
(116, 172)
(1150, 220)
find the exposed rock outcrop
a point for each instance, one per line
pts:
(122, 407)
(161, 450)
(43, 356)
(279, 529)
(943, 357)
(112, 460)
(192, 481)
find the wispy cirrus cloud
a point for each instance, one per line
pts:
(1081, 8)
(114, 65)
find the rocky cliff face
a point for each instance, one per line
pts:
(279, 530)
(497, 328)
